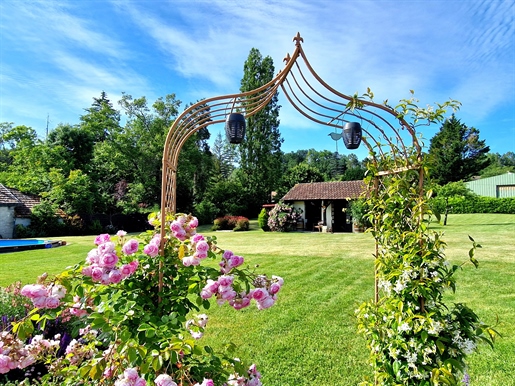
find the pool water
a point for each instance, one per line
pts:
(10, 245)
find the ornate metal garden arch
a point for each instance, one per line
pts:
(384, 131)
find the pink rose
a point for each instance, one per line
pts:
(190, 260)
(227, 254)
(164, 380)
(266, 303)
(131, 374)
(274, 288)
(140, 382)
(133, 266)
(236, 261)
(108, 260)
(176, 226)
(86, 271)
(115, 276)
(39, 302)
(121, 233)
(259, 294)
(204, 294)
(107, 247)
(156, 240)
(225, 280)
(96, 273)
(92, 257)
(198, 237)
(52, 302)
(126, 270)
(211, 286)
(202, 246)
(130, 247)
(58, 291)
(151, 249)
(193, 222)
(103, 238)
(201, 255)
(5, 364)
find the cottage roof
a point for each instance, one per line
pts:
(335, 190)
(22, 202)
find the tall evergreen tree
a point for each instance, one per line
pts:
(456, 153)
(260, 152)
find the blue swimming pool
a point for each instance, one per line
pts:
(11, 245)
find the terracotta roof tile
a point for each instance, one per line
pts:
(335, 190)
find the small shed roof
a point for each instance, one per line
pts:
(22, 202)
(335, 190)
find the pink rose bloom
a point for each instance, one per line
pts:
(206, 382)
(115, 276)
(190, 260)
(140, 382)
(176, 226)
(204, 294)
(86, 271)
(151, 249)
(108, 260)
(164, 380)
(228, 294)
(274, 288)
(198, 237)
(180, 234)
(225, 280)
(266, 303)
(106, 248)
(201, 255)
(130, 247)
(133, 266)
(52, 302)
(259, 294)
(105, 279)
(126, 270)
(39, 302)
(202, 246)
(131, 374)
(103, 238)
(211, 286)
(156, 240)
(78, 312)
(227, 255)
(5, 362)
(58, 291)
(34, 290)
(96, 273)
(236, 261)
(121, 233)
(278, 279)
(193, 222)
(92, 257)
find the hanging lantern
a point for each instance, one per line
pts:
(235, 127)
(352, 135)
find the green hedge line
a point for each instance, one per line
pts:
(477, 204)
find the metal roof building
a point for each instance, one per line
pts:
(500, 186)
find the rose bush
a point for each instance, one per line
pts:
(133, 312)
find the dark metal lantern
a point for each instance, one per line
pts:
(352, 135)
(235, 127)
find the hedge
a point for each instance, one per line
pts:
(476, 204)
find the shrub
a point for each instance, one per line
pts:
(263, 220)
(236, 223)
(283, 217)
(205, 211)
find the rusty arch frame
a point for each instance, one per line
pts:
(317, 101)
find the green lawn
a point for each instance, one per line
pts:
(309, 337)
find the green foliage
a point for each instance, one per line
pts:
(283, 217)
(456, 152)
(12, 305)
(474, 204)
(263, 220)
(205, 211)
(44, 221)
(260, 151)
(358, 210)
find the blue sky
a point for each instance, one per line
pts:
(55, 56)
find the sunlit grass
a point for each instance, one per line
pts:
(309, 337)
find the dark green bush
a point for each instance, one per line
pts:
(263, 220)
(475, 204)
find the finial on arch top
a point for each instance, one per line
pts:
(287, 58)
(297, 39)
